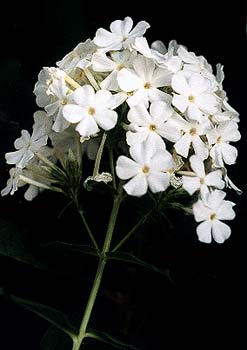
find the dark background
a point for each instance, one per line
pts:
(207, 301)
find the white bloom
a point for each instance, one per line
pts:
(159, 54)
(201, 181)
(211, 213)
(222, 152)
(47, 76)
(147, 169)
(187, 134)
(62, 97)
(113, 64)
(42, 124)
(143, 82)
(193, 63)
(80, 57)
(194, 95)
(26, 147)
(148, 126)
(121, 34)
(13, 182)
(92, 110)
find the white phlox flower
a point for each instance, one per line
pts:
(79, 57)
(194, 94)
(142, 82)
(13, 183)
(148, 126)
(186, 134)
(158, 53)
(121, 34)
(92, 111)
(26, 147)
(202, 181)
(211, 213)
(112, 65)
(193, 63)
(46, 77)
(148, 168)
(219, 138)
(62, 97)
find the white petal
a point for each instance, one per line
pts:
(126, 168)
(110, 82)
(122, 27)
(138, 153)
(212, 136)
(74, 113)
(14, 157)
(229, 153)
(229, 131)
(103, 38)
(207, 103)
(136, 137)
(191, 184)
(102, 98)
(198, 84)
(220, 231)
(204, 232)
(170, 131)
(180, 85)
(186, 56)
(199, 146)
(215, 179)
(160, 111)
(128, 80)
(141, 45)
(139, 29)
(158, 182)
(106, 119)
(139, 97)
(162, 161)
(101, 63)
(180, 102)
(87, 127)
(139, 115)
(197, 165)
(144, 68)
(182, 146)
(201, 211)
(161, 77)
(225, 211)
(155, 94)
(194, 112)
(137, 186)
(116, 100)
(84, 95)
(215, 199)
(22, 141)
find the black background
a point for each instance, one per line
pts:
(207, 301)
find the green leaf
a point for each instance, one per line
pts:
(16, 243)
(55, 317)
(108, 339)
(54, 339)
(130, 258)
(63, 246)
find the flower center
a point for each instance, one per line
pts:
(152, 127)
(193, 131)
(145, 169)
(191, 98)
(202, 181)
(212, 216)
(91, 111)
(119, 66)
(64, 102)
(130, 93)
(219, 139)
(147, 85)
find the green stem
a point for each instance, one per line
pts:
(99, 274)
(88, 230)
(134, 229)
(112, 167)
(99, 155)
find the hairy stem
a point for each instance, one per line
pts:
(99, 274)
(99, 155)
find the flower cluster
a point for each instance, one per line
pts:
(177, 121)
